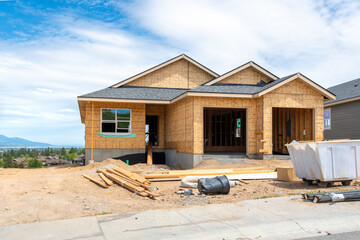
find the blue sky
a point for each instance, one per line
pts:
(53, 51)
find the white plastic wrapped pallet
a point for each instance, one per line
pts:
(326, 160)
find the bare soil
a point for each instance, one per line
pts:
(32, 195)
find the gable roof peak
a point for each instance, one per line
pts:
(161, 65)
(240, 68)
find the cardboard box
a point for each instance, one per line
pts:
(286, 174)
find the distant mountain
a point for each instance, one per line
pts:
(20, 142)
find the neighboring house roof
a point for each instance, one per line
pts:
(182, 56)
(240, 68)
(345, 92)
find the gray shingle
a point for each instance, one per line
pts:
(227, 88)
(140, 93)
(346, 90)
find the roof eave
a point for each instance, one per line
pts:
(342, 101)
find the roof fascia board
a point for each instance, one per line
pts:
(341, 101)
(123, 100)
(247, 65)
(305, 79)
(183, 56)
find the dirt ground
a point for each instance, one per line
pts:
(32, 195)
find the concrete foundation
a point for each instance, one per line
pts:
(102, 154)
(185, 160)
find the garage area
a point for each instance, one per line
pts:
(291, 124)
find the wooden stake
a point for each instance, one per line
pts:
(95, 181)
(106, 180)
(149, 155)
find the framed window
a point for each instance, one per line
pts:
(115, 121)
(327, 119)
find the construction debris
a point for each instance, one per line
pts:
(236, 173)
(95, 181)
(131, 181)
(216, 185)
(333, 196)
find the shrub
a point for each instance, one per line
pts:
(21, 165)
(1, 163)
(33, 163)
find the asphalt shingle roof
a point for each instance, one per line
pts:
(227, 88)
(168, 94)
(131, 92)
(346, 90)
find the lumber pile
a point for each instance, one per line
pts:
(234, 173)
(129, 180)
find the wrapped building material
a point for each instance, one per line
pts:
(216, 185)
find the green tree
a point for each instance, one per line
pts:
(62, 151)
(33, 163)
(21, 165)
(72, 150)
(1, 163)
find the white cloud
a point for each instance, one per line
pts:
(40, 78)
(318, 38)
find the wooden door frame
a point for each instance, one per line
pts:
(246, 130)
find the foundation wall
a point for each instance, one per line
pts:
(179, 74)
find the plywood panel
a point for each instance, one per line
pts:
(179, 74)
(247, 76)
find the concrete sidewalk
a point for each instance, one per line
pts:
(272, 218)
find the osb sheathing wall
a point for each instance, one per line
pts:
(179, 74)
(245, 103)
(246, 76)
(295, 94)
(137, 127)
(179, 126)
(158, 110)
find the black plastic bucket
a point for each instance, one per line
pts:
(216, 185)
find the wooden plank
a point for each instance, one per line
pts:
(284, 113)
(138, 190)
(175, 175)
(275, 129)
(131, 175)
(250, 176)
(132, 181)
(106, 180)
(95, 181)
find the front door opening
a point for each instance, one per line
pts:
(224, 130)
(291, 124)
(151, 130)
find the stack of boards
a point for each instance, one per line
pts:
(131, 181)
(232, 174)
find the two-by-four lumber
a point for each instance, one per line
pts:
(195, 173)
(95, 181)
(106, 180)
(125, 184)
(123, 177)
(129, 174)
